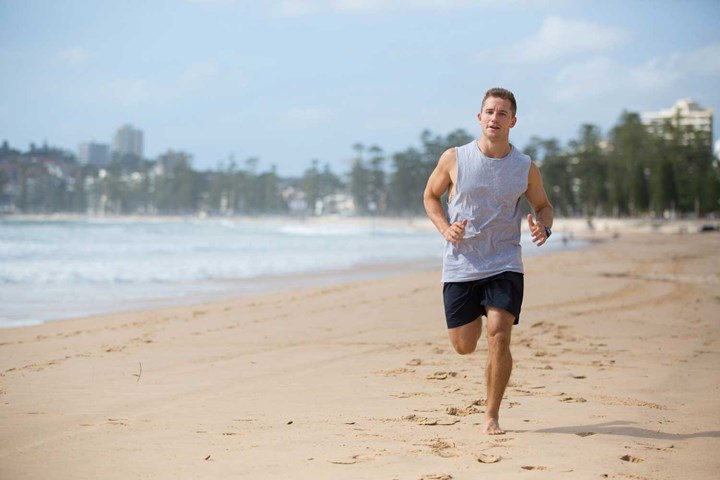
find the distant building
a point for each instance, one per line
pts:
(170, 160)
(96, 154)
(685, 113)
(128, 141)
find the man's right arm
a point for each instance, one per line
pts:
(438, 183)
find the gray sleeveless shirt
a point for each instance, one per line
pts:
(487, 195)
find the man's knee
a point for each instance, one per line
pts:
(500, 323)
(464, 346)
(499, 341)
(464, 339)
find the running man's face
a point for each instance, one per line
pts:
(496, 118)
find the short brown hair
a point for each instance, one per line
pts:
(504, 94)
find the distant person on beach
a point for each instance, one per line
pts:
(482, 264)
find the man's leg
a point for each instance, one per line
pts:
(499, 365)
(465, 338)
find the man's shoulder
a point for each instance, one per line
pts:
(467, 147)
(464, 151)
(449, 156)
(519, 154)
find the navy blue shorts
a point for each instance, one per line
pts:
(466, 301)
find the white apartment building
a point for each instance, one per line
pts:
(684, 113)
(128, 141)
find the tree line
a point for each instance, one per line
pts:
(633, 171)
(669, 170)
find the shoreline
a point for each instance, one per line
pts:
(31, 304)
(358, 380)
(572, 232)
(63, 270)
(245, 288)
(420, 223)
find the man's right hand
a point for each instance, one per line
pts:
(455, 233)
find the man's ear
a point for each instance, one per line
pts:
(514, 121)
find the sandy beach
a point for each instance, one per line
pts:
(617, 375)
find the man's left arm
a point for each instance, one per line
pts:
(540, 204)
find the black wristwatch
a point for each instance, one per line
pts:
(548, 232)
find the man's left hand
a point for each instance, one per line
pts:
(537, 230)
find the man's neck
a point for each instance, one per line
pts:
(491, 149)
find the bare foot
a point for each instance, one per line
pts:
(492, 427)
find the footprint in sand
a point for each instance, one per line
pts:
(435, 476)
(441, 375)
(410, 394)
(395, 372)
(631, 459)
(471, 409)
(533, 467)
(429, 421)
(573, 399)
(442, 448)
(489, 458)
(462, 412)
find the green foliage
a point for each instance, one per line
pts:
(412, 168)
(669, 171)
(633, 172)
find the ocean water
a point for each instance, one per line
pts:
(53, 270)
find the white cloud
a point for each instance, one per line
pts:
(585, 78)
(196, 77)
(372, 6)
(128, 92)
(651, 76)
(294, 8)
(73, 56)
(298, 8)
(307, 117)
(703, 61)
(131, 92)
(560, 38)
(213, 2)
(602, 75)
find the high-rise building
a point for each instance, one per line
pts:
(685, 113)
(97, 154)
(128, 141)
(170, 160)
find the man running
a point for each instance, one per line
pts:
(482, 264)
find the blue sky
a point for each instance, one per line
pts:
(292, 81)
